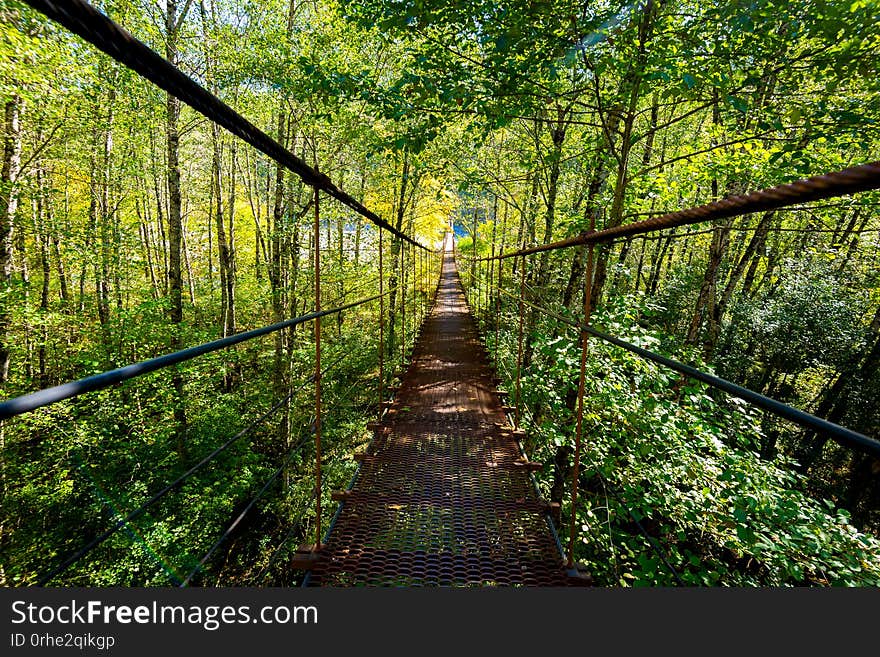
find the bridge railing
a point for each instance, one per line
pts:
(416, 265)
(485, 284)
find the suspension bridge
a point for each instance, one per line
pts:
(444, 495)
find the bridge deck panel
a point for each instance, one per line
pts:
(440, 500)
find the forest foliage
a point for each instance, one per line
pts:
(131, 226)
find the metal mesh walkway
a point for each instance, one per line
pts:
(443, 497)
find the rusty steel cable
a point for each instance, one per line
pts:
(346, 397)
(415, 299)
(841, 435)
(862, 178)
(582, 380)
(519, 341)
(317, 326)
(498, 283)
(168, 488)
(84, 20)
(381, 323)
(500, 280)
(655, 547)
(332, 524)
(401, 257)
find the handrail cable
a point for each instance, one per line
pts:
(346, 396)
(652, 542)
(139, 511)
(112, 39)
(29, 402)
(861, 178)
(842, 435)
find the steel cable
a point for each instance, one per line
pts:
(842, 435)
(29, 402)
(81, 18)
(133, 515)
(655, 548)
(862, 178)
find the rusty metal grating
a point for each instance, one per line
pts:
(440, 500)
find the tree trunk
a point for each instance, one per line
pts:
(706, 299)
(278, 259)
(175, 225)
(394, 265)
(144, 232)
(63, 291)
(41, 221)
(360, 221)
(104, 219)
(190, 284)
(557, 136)
(835, 400)
(8, 208)
(25, 276)
(224, 240)
(717, 315)
(853, 241)
(630, 91)
(590, 211)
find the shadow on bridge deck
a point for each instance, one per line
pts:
(440, 499)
